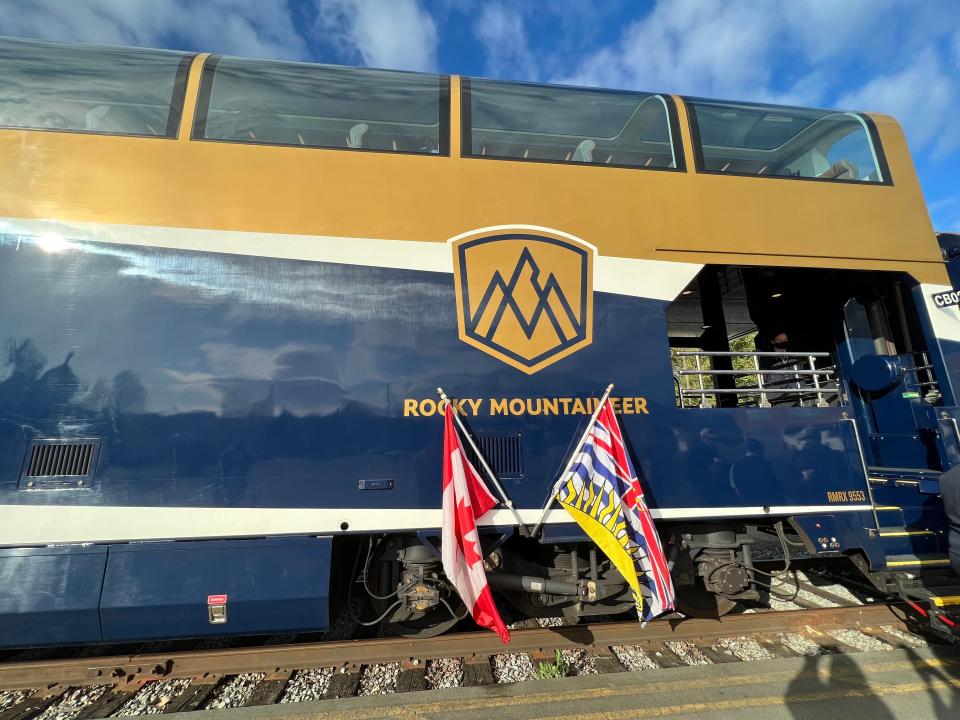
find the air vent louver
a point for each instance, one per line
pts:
(59, 462)
(502, 451)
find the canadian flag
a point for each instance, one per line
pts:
(465, 498)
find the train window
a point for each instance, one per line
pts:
(300, 104)
(748, 139)
(547, 123)
(79, 88)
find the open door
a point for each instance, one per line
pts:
(891, 382)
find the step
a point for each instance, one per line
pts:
(925, 560)
(899, 531)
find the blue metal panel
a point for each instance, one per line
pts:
(49, 596)
(834, 534)
(230, 381)
(161, 590)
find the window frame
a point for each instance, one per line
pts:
(206, 89)
(868, 125)
(673, 130)
(174, 116)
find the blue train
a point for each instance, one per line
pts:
(229, 290)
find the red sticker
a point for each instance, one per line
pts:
(216, 599)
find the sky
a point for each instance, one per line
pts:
(894, 56)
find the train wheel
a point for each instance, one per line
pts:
(422, 625)
(411, 596)
(698, 602)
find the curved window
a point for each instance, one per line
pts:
(80, 88)
(281, 103)
(748, 139)
(522, 121)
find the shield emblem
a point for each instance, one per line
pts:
(524, 296)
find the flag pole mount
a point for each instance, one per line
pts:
(573, 455)
(483, 461)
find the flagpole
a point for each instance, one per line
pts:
(493, 478)
(573, 455)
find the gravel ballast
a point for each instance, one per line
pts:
(379, 679)
(307, 685)
(513, 667)
(444, 673)
(153, 697)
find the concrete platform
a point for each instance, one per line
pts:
(915, 684)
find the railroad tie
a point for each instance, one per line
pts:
(195, 695)
(108, 704)
(269, 690)
(660, 654)
(477, 671)
(344, 683)
(605, 661)
(412, 677)
(30, 707)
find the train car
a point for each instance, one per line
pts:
(230, 288)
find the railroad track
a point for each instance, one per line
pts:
(99, 687)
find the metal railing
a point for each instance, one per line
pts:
(793, 378)
(925, 381)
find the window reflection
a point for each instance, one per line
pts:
(117, 91)
(567, 124)
(280, 103)
(747, 139)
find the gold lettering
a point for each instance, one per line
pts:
(458, 406)
(410, 407)
(641, 405)
(627, 406)
(498, 407)
(517, 406)
(474, 406)
(593, 403)
(615, 404)
(550, 406)
(534, 406)
(428, 407)
(566, 404)
(578, 407)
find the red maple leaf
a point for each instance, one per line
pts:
(469, 539)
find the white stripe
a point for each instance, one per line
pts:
(51, 524)
(654, 279)
(945, 320)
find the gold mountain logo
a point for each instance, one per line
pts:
(524, 296)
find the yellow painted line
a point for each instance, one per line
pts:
(897, 481)
(946, 600)
(631, 686)
(906, 533)
(887, 507)
(912, 563)
(712, 706)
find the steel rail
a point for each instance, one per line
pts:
(354, 653)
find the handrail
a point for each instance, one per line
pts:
(732, 353)
(866, 470)
(798, 370)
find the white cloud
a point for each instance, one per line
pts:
(502, 32)
(924, 97)
(806, 53)
(257, 28)
(381, 33)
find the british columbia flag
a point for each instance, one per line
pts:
(604, 496)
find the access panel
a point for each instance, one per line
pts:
(49, 596)
(193, 589)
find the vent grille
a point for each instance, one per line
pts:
(53, 462)
(502, 451)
